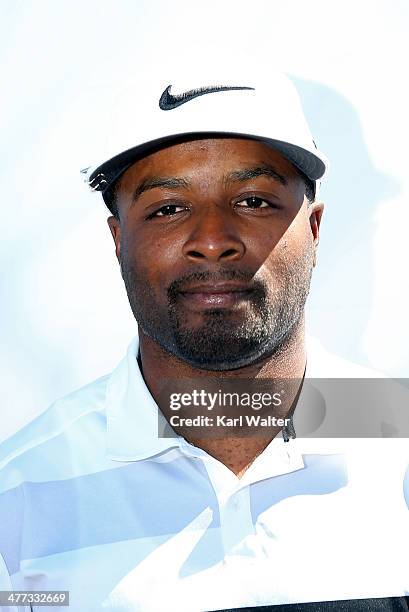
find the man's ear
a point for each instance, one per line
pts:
(115, 227)
(316, 210)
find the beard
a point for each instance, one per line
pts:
(224, 340)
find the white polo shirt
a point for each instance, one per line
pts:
(93, 502)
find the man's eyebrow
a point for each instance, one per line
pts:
(159, 181)
(244, 174)
(247, 174)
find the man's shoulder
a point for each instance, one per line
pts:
(48, 438)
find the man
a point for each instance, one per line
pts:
(215, 220)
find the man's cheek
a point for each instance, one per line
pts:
(276, 264)
(294, 243)
(150, 282)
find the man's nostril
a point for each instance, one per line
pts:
(228, 253)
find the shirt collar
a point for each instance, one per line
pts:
(133, 417)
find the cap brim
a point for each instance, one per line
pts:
(313, 165)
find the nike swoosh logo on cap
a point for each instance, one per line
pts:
(168, 101)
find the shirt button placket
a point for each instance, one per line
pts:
(236, 522)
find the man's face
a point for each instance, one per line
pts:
(216, 244)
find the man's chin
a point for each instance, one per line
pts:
(215, 365)
(225, 354)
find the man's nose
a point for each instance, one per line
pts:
(214, 238)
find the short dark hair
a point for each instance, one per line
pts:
(309, 189)
(110, 195)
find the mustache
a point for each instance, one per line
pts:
(211, 276)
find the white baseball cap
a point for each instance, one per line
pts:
(153, 113)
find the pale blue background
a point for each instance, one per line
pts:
(65, 316)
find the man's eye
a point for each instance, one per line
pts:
(166, 211)
(253, 202)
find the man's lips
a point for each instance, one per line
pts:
(215, 295)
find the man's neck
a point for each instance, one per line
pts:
(236, 452)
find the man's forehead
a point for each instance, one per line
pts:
(211, 154)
